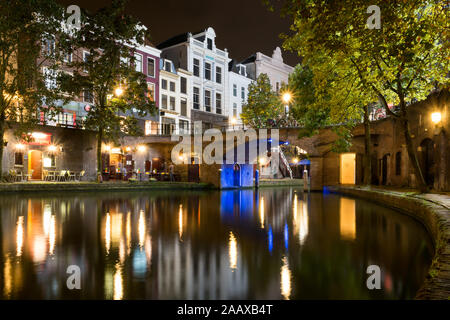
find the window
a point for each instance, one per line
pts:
(167, 66)
(242, 71)
(234, 90)
(138, 62)
(183, 107)
(208, 100)
(218, 103)
(278, 87)
(184, 126)
(151, 127)
(151, 91)
(398, 163)
(50, 78)
(49, 161)
(243, 93)
(167, 126)
(234, 109)
(183, 85)
(164, 84)
(196, 67)
(49, 47)
(218, 74)
(85, 59)
(151, 67)
(18, 159)
(172, 86)
(87, 96)
(196, 98)
(172, 103)
(164, 101)
(207, 71)
(68, 58)
(209, 43)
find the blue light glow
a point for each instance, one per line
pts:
(270, 238)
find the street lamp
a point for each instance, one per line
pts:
(436, 117)
(118, 92)
(142, 149)
(287, 96)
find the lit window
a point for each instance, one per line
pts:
(138, 62)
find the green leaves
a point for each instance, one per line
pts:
(110, 36)
(263, 108)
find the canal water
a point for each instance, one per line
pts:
(269, 244)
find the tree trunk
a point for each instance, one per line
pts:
(413, 156)
(367, 150)
(2, 133)
(99, 151)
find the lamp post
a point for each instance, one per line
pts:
(436, 118)
(287, 97)
(142, 149)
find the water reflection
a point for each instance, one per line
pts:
(347, 217)
(269, 244)
(285, 279)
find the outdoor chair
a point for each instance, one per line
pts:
(61, 176)
(71, 175)
(51, 176)
(28, 176)
(81, 175)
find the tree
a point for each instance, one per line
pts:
(399, 63)
(263, 105)
(110, 36)
(320, 100)
(26, 27)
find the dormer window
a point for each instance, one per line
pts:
(167, 66)
(209, 43)
(242, 70)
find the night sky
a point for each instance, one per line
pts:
(242, 26)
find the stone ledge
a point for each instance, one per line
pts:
(434, 215)
(280, 182)
(91, 186)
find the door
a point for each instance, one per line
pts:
(237, 175)
(35, 164)
(194, 173)
(348, 168)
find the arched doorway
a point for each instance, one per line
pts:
(426, 159)
(237, 175)
(35, 164)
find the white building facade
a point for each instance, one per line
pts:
(277, 71)
(174, 99)
(197, 53)
(238, 82)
